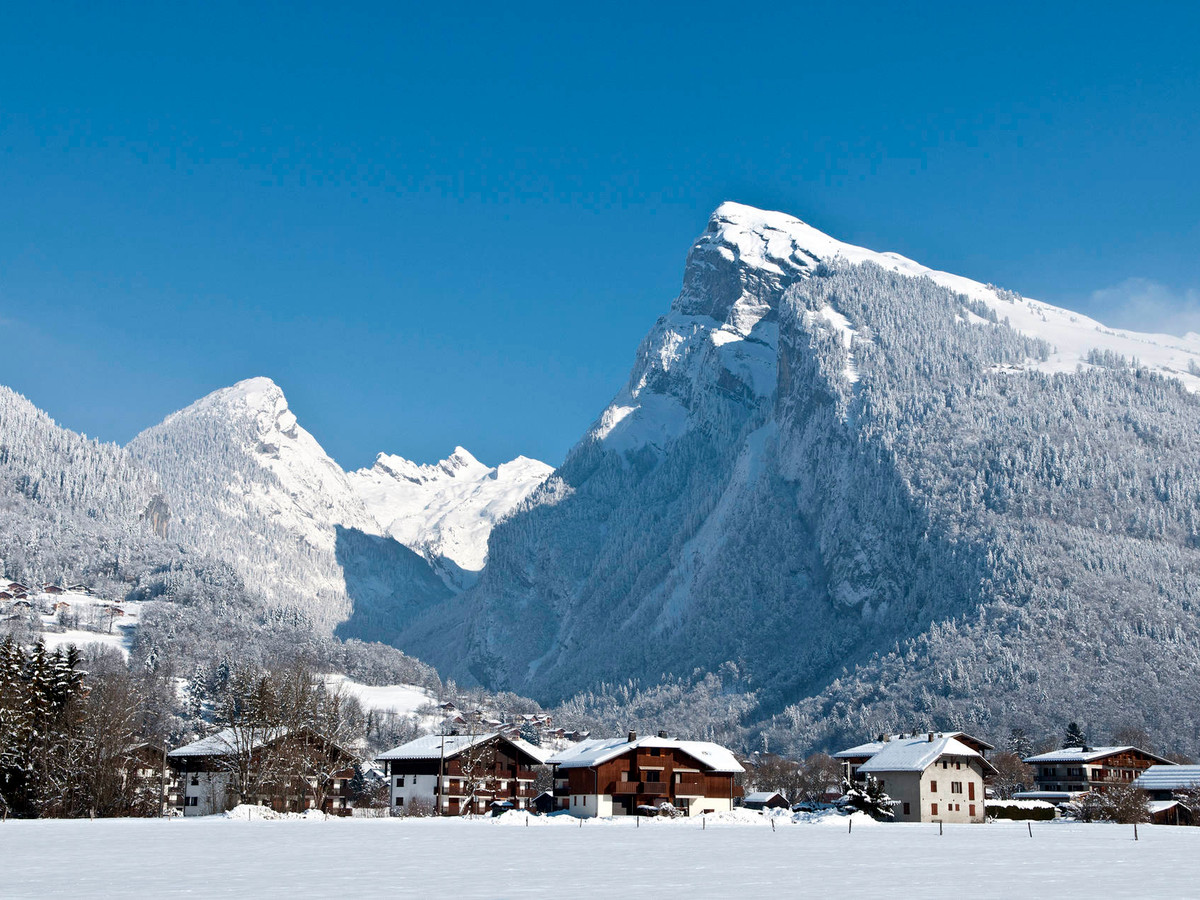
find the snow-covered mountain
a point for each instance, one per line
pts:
(447, 510)
(250, 486)
(889, 496)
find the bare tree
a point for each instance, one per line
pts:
(1012, 775)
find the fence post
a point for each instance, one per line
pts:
(1135, 837)
(1029, 825)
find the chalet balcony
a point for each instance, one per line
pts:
(526, 775)
(638, 788)
(646, 761)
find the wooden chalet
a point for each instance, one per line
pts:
(291, 771)
(765, 800)
(614, 777)
(1073, 770)
(458, 774)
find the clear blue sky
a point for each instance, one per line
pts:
(437, 228)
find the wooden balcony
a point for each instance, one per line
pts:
(646, 761)
(638, 788)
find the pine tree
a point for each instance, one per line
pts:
(1074, 736)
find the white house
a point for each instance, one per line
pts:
(933, 776)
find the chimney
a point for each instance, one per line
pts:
(931, 737)
(632, 736)
(662, 734)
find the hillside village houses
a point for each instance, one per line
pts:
(931, 776)
(454, 774)
(614, 777)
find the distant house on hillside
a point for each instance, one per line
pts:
(287, 771)
(1060, 774)
(932, 776)
(765, 800)
(615, 777)
(456, 774)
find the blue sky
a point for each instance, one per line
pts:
(437, 228)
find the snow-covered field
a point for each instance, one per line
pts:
(404, 699)
(219, 857)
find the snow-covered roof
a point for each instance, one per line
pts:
(1049, 796)
(1169, 778)
(227, 741)
(431, 746)
(761, 796)
(1086, 754)
(1157, 806)
(872, 747)
(595, 751)
(916, 754)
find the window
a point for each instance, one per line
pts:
(933, 787)
(971, 809)
(945, 764)
(971, 791)
(956, 787)
(906, 811)
(933, 809)
(400, 781)
(958, 765)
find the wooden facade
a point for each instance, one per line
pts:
(1078, 769)
(642, 778)
(495, 772)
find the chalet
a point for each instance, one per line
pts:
(457, 773)
(932, 777)
(614, 777)
(16, 587)
(5, 595)
(1165, 785)
(208, 771)
(1074, 770)
(50, 588)
(765, 800)
(1166, 782)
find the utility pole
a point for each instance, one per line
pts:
(441, 774)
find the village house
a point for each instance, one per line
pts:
(1060, 775)
(462, 773)
(1166, 786)
(765, 800)
(614, 777)
(931, 776)
(289, 771)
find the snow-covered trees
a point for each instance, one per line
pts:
(868, 797)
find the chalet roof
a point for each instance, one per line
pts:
(1169, 778)
(227, 741)
(916, 754)
(595, 751)
(872, 747)
(763, 797)
(1159, 806)
(431, 746)
(1088, 754)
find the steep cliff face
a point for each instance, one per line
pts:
(773, 486)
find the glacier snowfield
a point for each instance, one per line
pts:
(485, 858)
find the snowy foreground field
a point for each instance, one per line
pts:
(740, 857)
